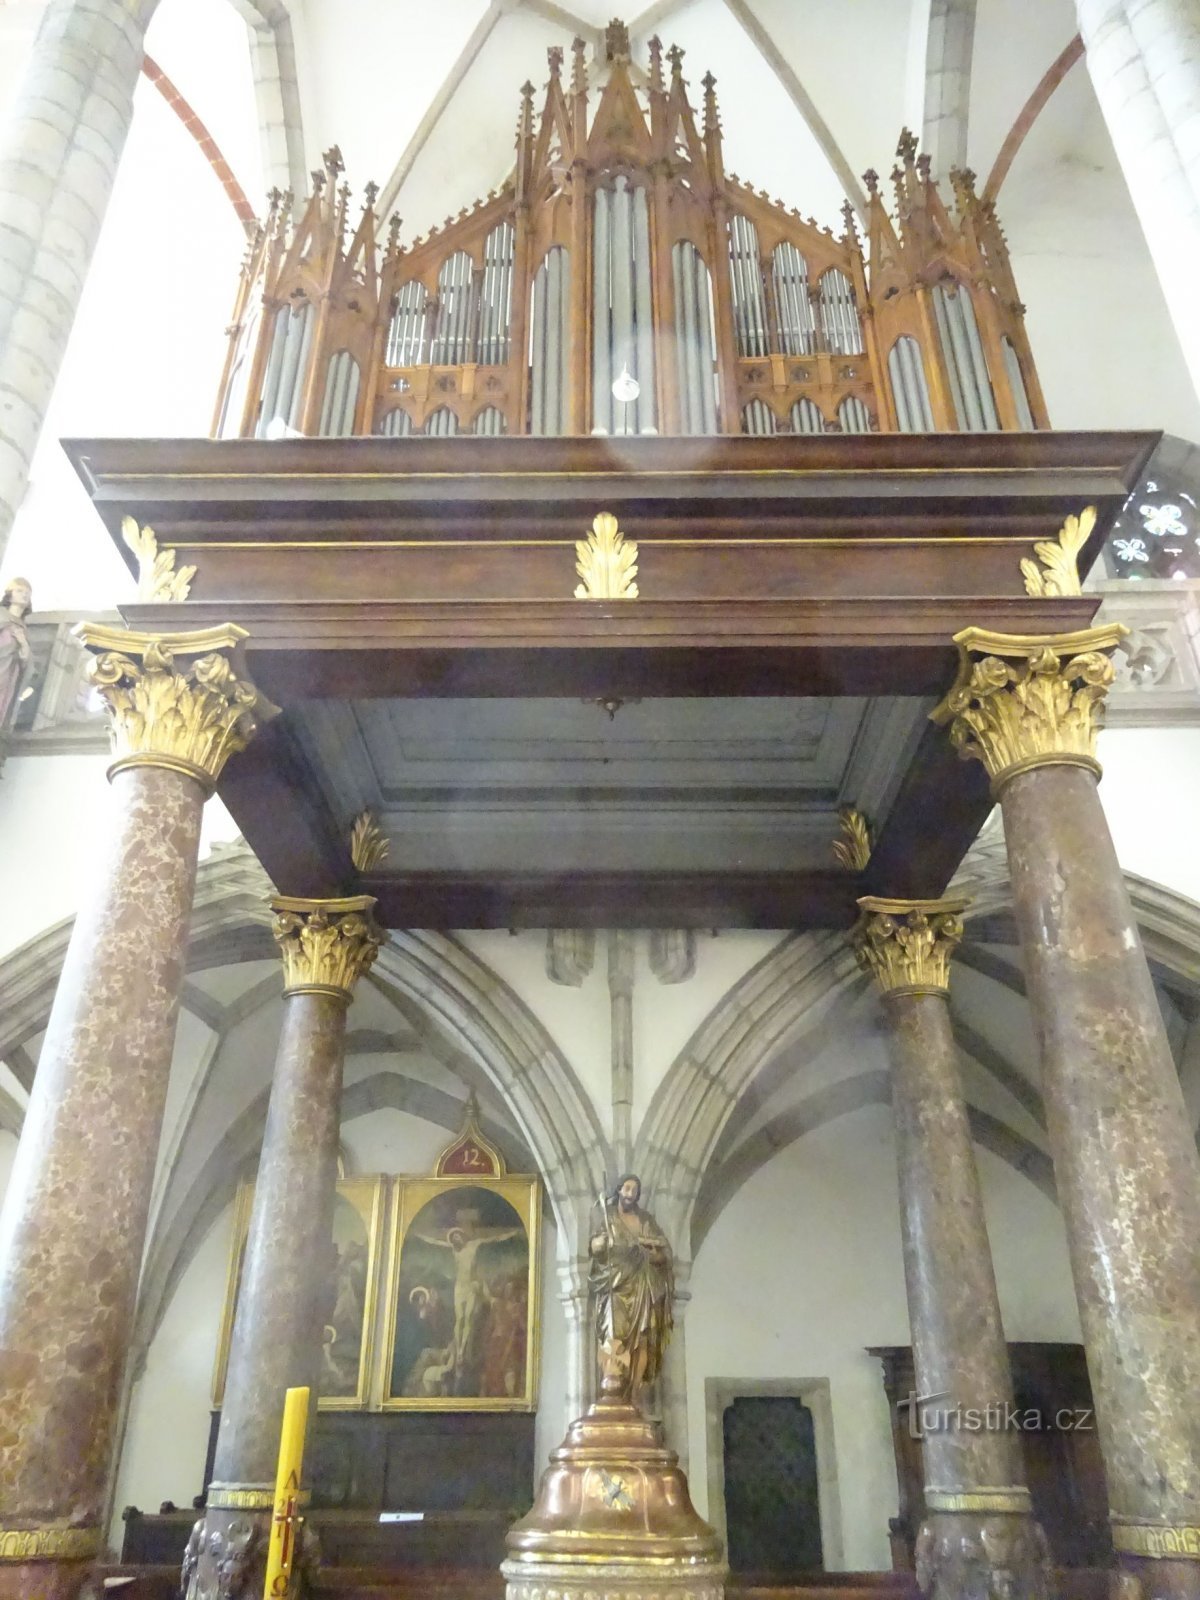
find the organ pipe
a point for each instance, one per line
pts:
(331, 325)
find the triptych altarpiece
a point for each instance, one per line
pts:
(432, 1300)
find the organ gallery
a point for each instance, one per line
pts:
(594, 1033)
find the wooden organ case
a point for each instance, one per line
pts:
(621, 282)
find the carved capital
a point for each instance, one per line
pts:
(1022, 701)
(907, 944)
(176, 700)
(326, 945)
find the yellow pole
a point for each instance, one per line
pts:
(285, 1520)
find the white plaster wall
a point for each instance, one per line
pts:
(1150, 789)
(54, 826)
(167, 1431)
(8, 1152)
(803, 1270)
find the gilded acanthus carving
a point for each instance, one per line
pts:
(157, 577)
(1026, 701)
(369, 845)
(326, 945)
(907, 944)
(1059, 570)
(853, 849)
(607, 562)
(174, 700)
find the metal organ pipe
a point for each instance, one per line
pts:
(234, 400)
(758, 418)
(341, 396)
(489, 423)
(621, 278)
(622, 309)
(601, 347)
(909, 389)
(789, 271)
(556, 343)
(854, 415)
(839, 314)
(966, 365)
(695, 343)
(406, 336)
(396, 424)
(807, 417)
(548, 343)
(283, 391)
(1016, 381)
(643, 308)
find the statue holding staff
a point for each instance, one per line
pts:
(633, 1281)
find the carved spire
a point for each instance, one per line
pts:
(554, 57)
(657, 85)
(675, 57)
(579, 76)
(616, 41)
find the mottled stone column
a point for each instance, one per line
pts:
(1124, 1158)
(74, 1219)
(326, 946)
(978, 1537)
(58, 159)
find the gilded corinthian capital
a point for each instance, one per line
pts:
(177, 700)
(1023, 701)
(326, 945)
(907, 944)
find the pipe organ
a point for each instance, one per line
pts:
(622, 282)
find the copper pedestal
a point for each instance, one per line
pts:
(613, 1520)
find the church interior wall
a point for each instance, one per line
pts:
(802, 1271)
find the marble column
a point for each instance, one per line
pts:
(74, 1219)
(978, 1536)
(288, 1272)
(1143, 57)
(1124, 1158)
(58, 159)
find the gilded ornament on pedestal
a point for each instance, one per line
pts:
(907, 944)
(1023, 701)
(607, 562)
(1059, 570)
(369, 845)
(326, 945)
(190, 717)
(157, 577)
(853, 849)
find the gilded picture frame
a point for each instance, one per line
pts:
(463, 1322)
(345, 1379)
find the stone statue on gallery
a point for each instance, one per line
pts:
(16, 657)
(633, 1285)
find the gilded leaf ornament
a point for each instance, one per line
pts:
(1059, 570)
(174, 700)
(1021, 702)
(369, 845)
(907, 944)
(325, 945)
(157, 577)
(607, 562)
(853, 849)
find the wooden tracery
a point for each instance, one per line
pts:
(622, 282)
